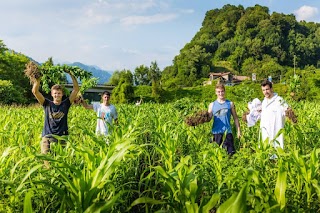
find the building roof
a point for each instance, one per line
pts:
(219, 73)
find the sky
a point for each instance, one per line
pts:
(117, 34)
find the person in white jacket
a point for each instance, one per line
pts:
(106, 113)
(273, 112)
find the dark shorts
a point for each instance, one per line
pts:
(228, 143)
(46, 141)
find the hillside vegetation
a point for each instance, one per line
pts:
(245, 41)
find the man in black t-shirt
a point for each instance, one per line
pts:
(56, 112)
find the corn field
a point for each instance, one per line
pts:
(153, 162)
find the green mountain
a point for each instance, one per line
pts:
(245, 41)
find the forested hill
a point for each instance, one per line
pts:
(244, 41)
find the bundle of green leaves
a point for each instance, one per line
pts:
(56, 74)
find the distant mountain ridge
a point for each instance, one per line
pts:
(103, 75)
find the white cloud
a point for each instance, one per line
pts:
(306, 13)
(127, 5)
(103, 12)
(157, 18)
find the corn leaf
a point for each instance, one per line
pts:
(235, 204)
(27, 206)
(281, 186)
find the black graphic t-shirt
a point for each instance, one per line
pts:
(55, 118)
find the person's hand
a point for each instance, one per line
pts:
(35, 80)
(291, 115)
(66, 70)
(244, 116)
(79, 100)
(239, 135)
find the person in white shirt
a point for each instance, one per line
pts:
(273, 112)
(106, 113)
(138, 103)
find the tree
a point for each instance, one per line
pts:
(123, 92)
(154, 72)
(141, 75)
(115, 78)
(249, 66)
(156, 91)
(12, 67)
(3, 47)
(10, 94)
(118, 75)
(155, 76)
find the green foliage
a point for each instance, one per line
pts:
(235, 204)
(303, 84)
(27, 208)
(141, 75)
(123, 93)
(146, 75)
(115, 78)
(3, 47)
(87, 83)
(153, 162)
(184, 105)
(10, 94)
(192, 64)
(208, 93)
(56, 74)
(168, 75)
(156, 91)
(154, 73)
(142, 90)
(250, 40)
(12, 69)
(246, 91)
(118, 76)
(172, 83)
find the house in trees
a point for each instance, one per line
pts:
(225, 77)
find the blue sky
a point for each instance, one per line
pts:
(117, 34)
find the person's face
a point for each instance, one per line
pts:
(220, 93)
(106, 97)
(57, 95)
(267, 91)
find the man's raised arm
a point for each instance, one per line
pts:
(75, 90)
(36, 92)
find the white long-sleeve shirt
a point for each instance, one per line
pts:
(273, 119)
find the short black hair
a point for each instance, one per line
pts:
(106, 93)
(265, 83)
